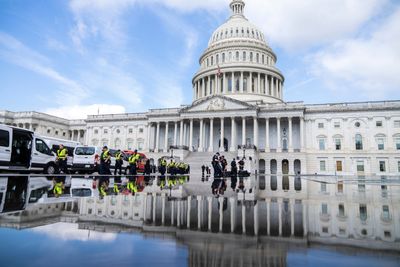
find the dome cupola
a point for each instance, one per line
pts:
(238, 63)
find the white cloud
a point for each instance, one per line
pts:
(56, 45)
(69, 231)
(368, 65)
(82, 111)
(310, 23)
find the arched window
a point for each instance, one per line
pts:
(217, 59)
(237, 55)
(359, 142)
(117, 143)
(230, 56)
(258, 58)
(244, 56)
(212, 60)
(207, 62)
(251, 56)
(237, 85)
(223, 57)
(263, 59)
(245, 84)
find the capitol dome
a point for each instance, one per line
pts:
(238, 63)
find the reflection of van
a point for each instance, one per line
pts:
(17, 192)
(54, 144)
(21, 150)
(82, 187)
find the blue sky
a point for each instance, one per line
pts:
(72, 58)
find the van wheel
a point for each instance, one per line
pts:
(50, 169)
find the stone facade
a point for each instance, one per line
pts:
(238, 108)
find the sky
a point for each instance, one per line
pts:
(73, 58)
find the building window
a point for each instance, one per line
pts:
(322, 165)
(336, 124)
(56, 132)
(223, 57)
(359, 142)
(398, 166)
(237, 55)
(341, 210)
(363, 212)
(387, 234)
(244, 56)
(338, 144)
(357, 124)
(323, 187)
(385, 212)
(263, 59)
(130, 130)
(217, 59)
(64, 133)
(130, 145)
(340, 187)
(339, 166)
(397, 142)
(342, 231)
(381, 143)
(396, 124)
(140, 130)
(325, 230)
(105, 131)
(379, 124)
(324, 208)
(48, 131)
(118, 131)
(251, 56)
(321, 143)
(360, 166)
(320, 125)
(258, 58)
(96, 131)
(382, 166)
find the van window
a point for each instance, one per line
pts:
(37, 194)
(42, 147)
(84, 151)
(81, 192)
(4, 138)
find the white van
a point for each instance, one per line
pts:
(83, 187)
(22, 150)
(17, 192)
(87, 159)
(54, 144)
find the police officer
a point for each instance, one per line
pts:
(62, 154)
(163, 166)
(105, 161)
(132, 163)
(118, 162)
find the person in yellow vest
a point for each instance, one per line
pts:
(133, 159)
(131, 186)
(62, 157)
(58, 188)
(171, 167)
(118, 163)
(163, 166)
(103, 190)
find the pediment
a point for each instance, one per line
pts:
(218, 103)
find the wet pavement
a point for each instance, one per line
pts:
(254, 221)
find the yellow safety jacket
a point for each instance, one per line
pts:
(118, 156)
(132, 187)
(171, 165)
(132, 159)
(62, 154)
(102, 191)
(116, 189)
(163, 162)
(58, 189)
(105, 156)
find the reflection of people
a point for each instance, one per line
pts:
(216, 165)
(118, 163)
(163, 166)
(218, 187)
(58, 188)
(105, 161)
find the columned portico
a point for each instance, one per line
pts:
(233, 135)
(201, 141)
(244, 131)
(221, 147)
(211, 148)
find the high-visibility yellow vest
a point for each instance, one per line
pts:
(118, 156)
(103, 191)
(116, 189)
(132, 159)
(62, 153)
(163, 162)
(105, 155)
(58, 189)
(132, 187)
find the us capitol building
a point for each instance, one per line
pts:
(238, 108)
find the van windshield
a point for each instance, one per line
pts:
(81, 192)
(84, 151)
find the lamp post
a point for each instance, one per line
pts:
(172, 153)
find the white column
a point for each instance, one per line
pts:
(216, 87)
(305, 221)
(178, 216)
(225, 85)
(163, 209)
(271, 85)
(266, 85)
(191, 135)
(267, 135)
(250, 82)
(201, 142)
(290, 134)
(148, 143)
(280, 216)
(268, 216)
(233, 83)
(157, 137)
(166, 137)
(210, 90)
(211, 148)
(209, 212)
(292, 202)
(241, 82)
(278, 135)
(302, 134)
(221, 147)
(259, 84)
(233, 135)
(255, 129)
(175, 134)
(256, 222)
(189, 206)
(199, 211)
(181, 134)
(221, 213)
(185, 141)
(203, 87)
(243, 131)
(233, 213)
(243, 219)
(154, 207)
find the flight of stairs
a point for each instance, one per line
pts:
(197, 159)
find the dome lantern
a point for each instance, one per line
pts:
(237, 7)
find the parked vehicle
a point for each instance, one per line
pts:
(17, 192)
(83, 187)
(23, 150)
(86, 159)
(54, 144)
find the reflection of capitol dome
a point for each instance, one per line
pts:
(238, 63)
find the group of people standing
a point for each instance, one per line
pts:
(220, 166)
(172, 167)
